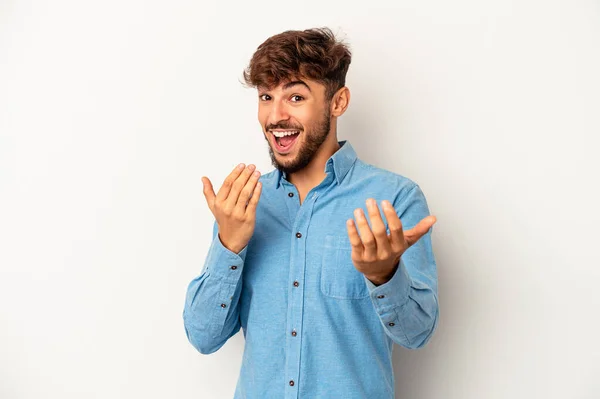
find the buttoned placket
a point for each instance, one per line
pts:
(300, 214)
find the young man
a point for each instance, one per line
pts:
(324, 262)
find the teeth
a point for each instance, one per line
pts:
(286, 133)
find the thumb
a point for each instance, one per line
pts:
(209, 193)
(422, 228)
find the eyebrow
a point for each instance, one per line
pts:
(294, 83)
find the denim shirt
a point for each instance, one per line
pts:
(314, 326)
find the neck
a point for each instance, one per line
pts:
(314, 173)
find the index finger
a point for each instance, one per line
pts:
(395, 226)
(228, 183)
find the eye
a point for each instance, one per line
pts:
(265, 97)
(294, 97)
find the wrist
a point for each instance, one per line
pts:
(379, 279)
(235, 248)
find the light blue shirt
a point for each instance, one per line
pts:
(314, 326)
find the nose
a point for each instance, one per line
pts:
(278, 113)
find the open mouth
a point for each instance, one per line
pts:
(284, 140)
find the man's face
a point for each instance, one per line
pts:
(297, 109)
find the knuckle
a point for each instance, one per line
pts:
(242, 197)
(396, 248)
(369, 242)
(379, 231)
(370, 258)
(238, 216)
(247, 191)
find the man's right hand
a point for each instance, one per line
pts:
(234, 207)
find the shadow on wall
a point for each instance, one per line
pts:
(418, 373)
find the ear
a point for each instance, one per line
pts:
(340, 101)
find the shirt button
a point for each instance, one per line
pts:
(391, 324)
(290, 194)
(298, 235)
(296, 284)
(380, 296)
(294, 333)
(223, 305)
(233, 267)
(292, 383)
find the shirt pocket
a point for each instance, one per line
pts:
(339, 277)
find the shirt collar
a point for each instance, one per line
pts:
(339, 163)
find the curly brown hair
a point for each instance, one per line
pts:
(311, 53)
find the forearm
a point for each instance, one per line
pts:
(211, 314)
(407, 308)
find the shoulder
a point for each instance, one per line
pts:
(404, 193)
(395, 182)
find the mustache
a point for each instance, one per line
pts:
(283, 126)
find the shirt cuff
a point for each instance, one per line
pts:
(224, 263)
(392, 294)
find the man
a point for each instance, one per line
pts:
(321, 277)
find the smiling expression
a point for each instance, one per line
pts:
(296, 108)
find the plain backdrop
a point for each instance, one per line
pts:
(112, 111)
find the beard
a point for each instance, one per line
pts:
(315, 135)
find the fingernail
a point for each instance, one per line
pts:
(241, 166)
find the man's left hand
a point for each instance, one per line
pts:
(375, 253)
